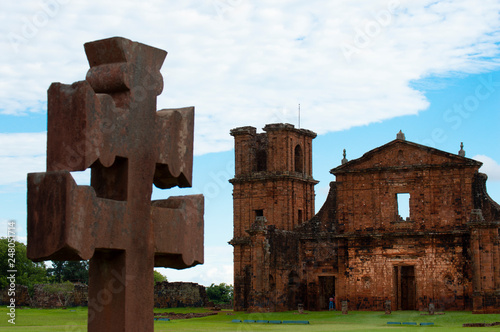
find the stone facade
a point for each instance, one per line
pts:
(273, 179)
(358, 247)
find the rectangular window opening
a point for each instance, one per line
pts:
(259, 213)
(300, 216)
(403, 200)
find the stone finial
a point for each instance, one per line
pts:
(344, 160)
(476, 215)
(461, 153)
(401, 136)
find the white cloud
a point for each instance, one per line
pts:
(21, 153)
(22, 144)
(490, 167)
(242, 62)
(218, 268)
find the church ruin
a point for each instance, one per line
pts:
(358, 247)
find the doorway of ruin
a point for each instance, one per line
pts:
(294, 296)
(326, 290)
(405, 289)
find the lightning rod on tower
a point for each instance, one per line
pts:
(299, 116)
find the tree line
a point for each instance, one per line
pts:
(30, 273)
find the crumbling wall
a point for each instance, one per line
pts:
(286, 290)
(59, 295)
(45, 296)
(180, 294)
(21, 295)
(167, 295)
(439, 268)
(80, 295)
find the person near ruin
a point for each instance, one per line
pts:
(332, 303)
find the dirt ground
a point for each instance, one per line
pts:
(173, 315)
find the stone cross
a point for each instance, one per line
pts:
(109, 123)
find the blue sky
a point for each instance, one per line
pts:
(361, 70)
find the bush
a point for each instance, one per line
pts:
(158, 277)
(220, 294)
(74, 271)
(28, 273)
(64, 291)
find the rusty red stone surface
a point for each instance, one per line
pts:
(358, 248)
(109, 123)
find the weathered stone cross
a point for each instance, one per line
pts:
(109, 123)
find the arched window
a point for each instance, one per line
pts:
(299, 159)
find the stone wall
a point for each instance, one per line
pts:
(180, 294)
(166, 294)
(46, 296)
(431, 268)
(22, 296)
(80, 295)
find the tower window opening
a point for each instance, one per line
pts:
(299, 159)
(261, 161)
(403, 204)
(259, 213)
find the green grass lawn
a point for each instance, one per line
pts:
(75, 319)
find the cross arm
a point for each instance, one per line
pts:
(75, 133)
(64, 219)
(174, 130)
(178, 231)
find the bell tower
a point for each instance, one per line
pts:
(273, 185)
